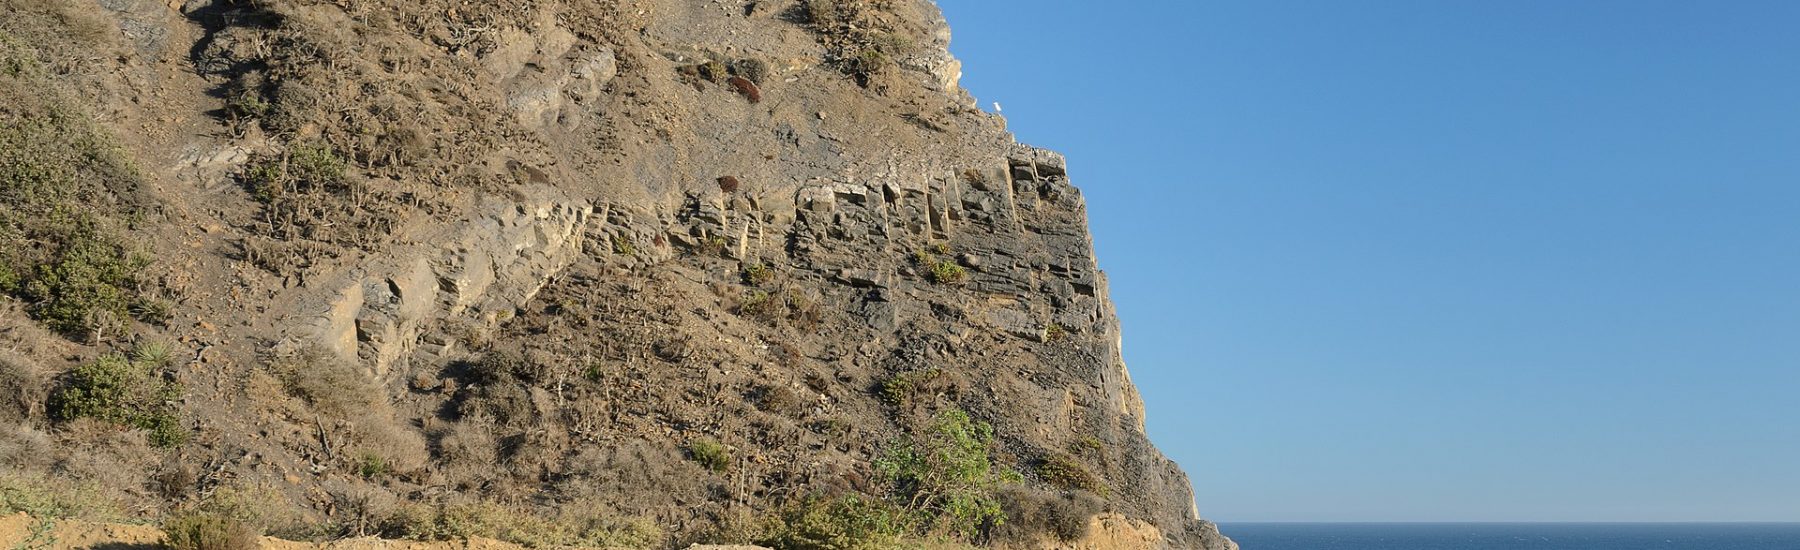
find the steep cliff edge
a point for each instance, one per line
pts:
(632, 273)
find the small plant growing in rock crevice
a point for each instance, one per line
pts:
(946, 272)
(713, 245)
(758, 274)
(940, 270)
(622, 245)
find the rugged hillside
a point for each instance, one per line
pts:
(631, 273)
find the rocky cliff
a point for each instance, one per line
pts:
(630, 273)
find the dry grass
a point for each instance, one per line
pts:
(363, 430)
(203, 531)
(1033, 515)
(21, 392)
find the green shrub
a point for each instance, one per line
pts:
(371, 466)
(710, 454)
(713, 70)
(306, 167)
(1087, 443)
(204, 531)
(64, 189)
(947, 474)
(91, 286)
(891, 43)
(850, 522)
(870, 61)
(622, 246)
(51, 497)
(760, 304)
(116, 389)
(947, 272)
(940, 270)
(758, 274)
(900, 389)
(1066, 472)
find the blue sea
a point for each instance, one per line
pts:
(1515, 536)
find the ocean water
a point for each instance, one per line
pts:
(1515, 536)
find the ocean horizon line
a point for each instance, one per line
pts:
(1510, 522)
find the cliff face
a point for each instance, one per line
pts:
(627, 272)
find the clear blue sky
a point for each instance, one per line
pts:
(1438, 260)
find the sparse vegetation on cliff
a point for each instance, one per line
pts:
(61, 185)
(117, 389)
(434, 270)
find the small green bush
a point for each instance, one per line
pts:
(622, 246)
(947, 272)
(53, 497)
(305, 168)
(948, 475)
(204, 531)
(850, 522)
(710, 454)
(371, 466)
(870, 61)
(758, 274)
(116, 389)
(892, 43)
(1068, 473)
(760, 304)
(1087, 443)
(940, 270)
(900, 389)
(713, 70)
(713, 246)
